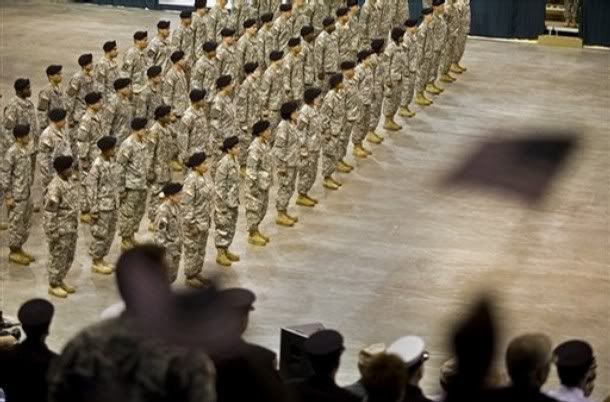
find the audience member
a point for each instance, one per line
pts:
(385, 378)
(576, 368)
(412, 350)
(364, 359)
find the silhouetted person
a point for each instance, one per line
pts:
(385, 378)
(365, 357)
(412, 350)
(576, 368)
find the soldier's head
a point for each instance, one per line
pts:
(397, 34)
(377, 45)
(154, 74)
(439, 6)
(427, 14)
(276, 58)
(262, 129)
(85, 61)
(186, 18)
(54, 74)
(324, 350)
(250, 26)
(353, 7)
(411, 25)
(163, 29)
(22, 134)
(138, 126)
(107, 146)
(58, 117)
(267, 19)
(308, 34)
(63, 166)
(240, 301)
(335, 82)
(364, 57)
(252, 69)
(228, 36)
(348, 69)
(163, 114)
(329, 24)
(200, 6)
(224, 84)
(140, 39)
(178, 59)
(231, 146)
(311, 96)
(172, 192)
(294, 44)
(111, 50)
(342, 14)
(22, 88)
(122, 86)
(285, 10)
(198, 163)
(197, 97)
(94, 101)
(210, 49)
(35, 317)
(289, 112)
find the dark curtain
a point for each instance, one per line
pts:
(415, 7)
(508, 18)
(595, 23)
(152, 4)
(529, 22)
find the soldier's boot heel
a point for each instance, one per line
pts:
(57, 292)
(232, 256)
(222, 259)
(255, 239)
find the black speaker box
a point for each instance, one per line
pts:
(294, 363)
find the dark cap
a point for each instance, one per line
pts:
(377, 45)
(352, 3)
(54, 69)
(335, 80)
(574, 354)
(121, 83)
(223, 81)
(410, 23)
(92, 98)
(21, 84)
(293, 42)
(163, 24)
(226, 32)
(229, 143)
(108, 46)
(363, 55)
(307, 30)
(267, 17)
(196, 159)
(62, 163)
(397, 33)
(162, 111)
(209, 46)
(105, 143)
(347, 65)
(85, 59)
(171, 189)
(57, 114)
(311, 94)
(427, 11)
(328, 21)
(341, 11)
(177, 56)
(323, 343)
(250, 22)
(276, 55)
(21, 130)
(197, 94)
(138, 123)
(238, 298)
(437, 3)
(285, 7)
(140, 35)
(200, 4)
(259, 127)
(186, 14)
(287, 109)
(154, 71)
(249, 68)
(36, 313)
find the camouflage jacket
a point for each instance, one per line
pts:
(61, 208)
(133, 164)
(228, 61)
(160, 141)
(193, 133)
(273, 89)
(309, 126)
(259, 171)
(219, 19)
(176, 91)
(158, 53)
(16, 175)
(183, 38)
(89, 132)
(327, 53)
(51, 97)
(227, 183)
(247, 103)
(197, 201)
(333, 114)
(80, 85)
(53, 143)
(168, 223)
(106, 72)
(205, 74)
(286, 148)
(117, 116)
(146, 99)
(102, 186)
(223, 120)
(134, 66)
(20, 111)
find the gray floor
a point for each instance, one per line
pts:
(390, 254)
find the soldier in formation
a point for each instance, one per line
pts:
(107, 69)
(168, 228)
(52, 96)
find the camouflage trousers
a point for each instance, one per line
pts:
(408, 90)
(286, 180)
(102, 234)
(155, 200)
(392, 99)
(131, 212)
(460, 46)
(308, 171)
(256, 209)
(173, 252)
(225, 220)
(19, 223)
(84, 200)
(376, 106)
(423, 75)
(195, 243)
(434, 66)
(346, 134)
(362, 125)
(329, 156)
(216, 156)
(447, 57)
(61, 256)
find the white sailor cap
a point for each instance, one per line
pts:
(411, 349)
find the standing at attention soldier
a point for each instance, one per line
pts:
(183, 38)
(248, 50)
(119, 110)
(80, 85)
(273, 89)
(378, 79)
(207, 70)
(21, 110)
(175, 86)
(135, 60)
(148, 98)
(310, 130)
(194, 129)
(54, 142)
(52, 96)
(222, 117)
(333, 114)
(160, 139)
(266, 39)
(247, 109)
(410, 52)
(107, 69)
(393, 86)
(228, 60)
(219, 19)
(425, 43)
(168, 228)
(294, 69)
(286, 150)
(159, 49)
(282, 26)
(364, 83)
(201, 27)
(327, 52)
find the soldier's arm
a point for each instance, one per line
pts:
(100, 78)
(92, 187)
(176, 40)
(185, 126)
(241, 100)
(51, 209)
(221, 182)
(122, 160)
(152, 51)
(43, 107)
(45, 162)
(72, 93)
(280, 147)
(128, 65)
(10, 118)
(82, 143)
(168, 91)
(188, 198)
(252, 171)
(162, 236)
(265, 89)
(6, 170)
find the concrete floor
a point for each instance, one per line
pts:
(389, 254)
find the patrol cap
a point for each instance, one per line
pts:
(238, 298)
(138, 123)
(574, 354)
(62, 163)
(410, 23)
(341, 11)
(436, 3)
(36, 313)
(335, 80)
(368, 353)
(109, 46)
(177, 56)
(427, 11)
(163, 24)
(326, 342)
(92, 98)
(209, 46)
(328, 21)
(154, 71)
(200, 4)
(107, 142)
(21, 130)
(171, 189)
(276, 55)
(57, 114)
(294, 42)
(21, 84)
(377, 45)
(287, 109)
(267, 17)
(140, 35)
(307, 30)
(185, 14)
(223, 81)
(53, 69)
(397, 33)
(250, 22)
(162, 111)
(249, 68)
(285, 7)
(311, 94)
(85, 59)
(229, 143)
(226, 32)
(196, 159)
(411, 349)
(121, 83)
(197, 94)
(363, 55)
(259, 127)
(347, 65)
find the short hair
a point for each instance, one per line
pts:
(85, 59)
(307, 30)
(249, 68)
(525, 355)
(140, 35)
(311, 94)
(109, 46)
(341, 12)
(397, 33)
(288, 109)
(328, 21)
(385, 377)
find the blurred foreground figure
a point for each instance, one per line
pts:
(412, 351)
(385, 379)
(576, 367)
(365, 358)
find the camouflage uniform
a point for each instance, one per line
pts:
(193, 133)
(248, 51)
(228, 62)
(197, 208)
(266, 44)
(333, 115)
(106, 72)
(51, 97)
(53, 143)
(364, 84)
(377, 92)
(223, 121)
(183, 38)
(201, 28)
(219, 19)
(205, 74)
(134, 66)
(411, 54)
(393, 86)
(160, 141)
(425, 49)
(259, 177)
(439, 34)
(226, 201)
(16, 179)
(282, 32)
(89, 132)
(60, 221)
(369, 23)
(327, 56)
(301, 16)
(464, 30)
(117, 117)
(355, 32)
(400, 12)
(20, 111)
(159, 51)
(247, 110)
(384, 19)
(176, 91)
(146, 99)
(319, 11)
(168, 234)
(310, 129)
(294, 83)
(133, 160)
(240, 12)
(309, 63)
(453, 27)
(272, 92)
(353, 111)
(102, 194)
(80, 85)
(571, 9)
(266, 6)
(286, 150)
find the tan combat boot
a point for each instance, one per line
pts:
(100, 267)
(265, 237)
(461, 67)
(28, 256)
(350, 167)
(205, 281)
(391, 125)
(222, 259)
(456, 69)
(374, 138)
(57, 291)
(255, 239)
(310, 198)
(404, 111)
(283, 219)
(330, 184)
(432, 89)
(85, 217)
(341, 168)
(15, 256)
(337, 182)
(447, 78)
(68, 288)
(439, 89)
(194, 283)
(303, 201)
(421, 100)
(359, 152)
(232, 256)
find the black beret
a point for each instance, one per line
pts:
(163, 24)
(341, 11)
(293, 42)
(410, 23)
(85, 59)
(107, 142)
(285, 7)
(153, 71)
(21, 130)
(237, 298)
(323, 343)
(347, 65)
(140, 35)
(276, 55)
(21, 84)
(138, 123)
(36, 313)
(377, 45)
(200, 4)
(223, 81)
(197, 94)
(196, 159)
(209, 46)
(397, 33)
(186, 14)
(58, 114)
(92, 98)
(363, 55)
(426, 11)
(62, 163)
(177, 56)
(108, 46)
(437, 3)
(311, 94)
(250, 22)
(307, 30)
(225, 32)
(54, 69)
(229, 143)
(335, 80)
(172, 188)
(267, 17)
(328, 21)
(121, 83)
(259, 127)
(162, 111)
(287, 109)
(352, 3)
(574, 354)
(249, 68)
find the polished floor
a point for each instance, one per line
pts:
(391, 253)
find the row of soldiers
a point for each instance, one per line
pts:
(112, 140)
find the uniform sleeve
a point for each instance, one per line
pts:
(265, 90)
(319, 50)
(122, 159)
(100, 78)
(6, 169)
(82, 141)
(51, 208)
(92, 187)
(220, 181)
(128, 65)
(241, 100)
(184, 130)
(176, 40)
(168, 90)
(151, 53)
(280, 147)
(188, 199)
(45, 162)
(108, 118)
(10, 118)
(252, 162)
(43, 107)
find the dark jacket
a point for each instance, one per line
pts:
(415, 394)
(321, 389)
